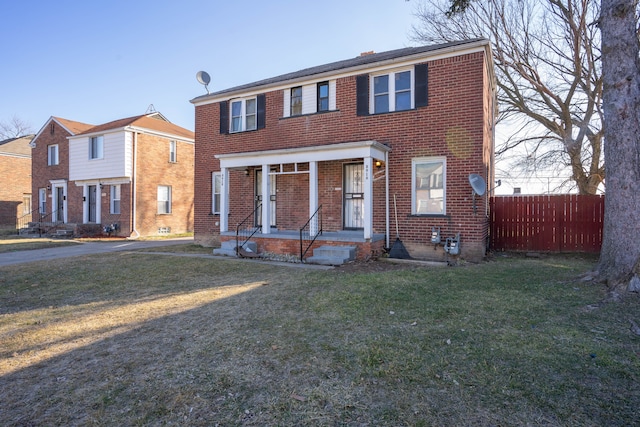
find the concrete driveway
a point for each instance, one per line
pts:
(86, 248)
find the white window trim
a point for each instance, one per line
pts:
(113, 199)
(420, 160)
(100, 148)
(309, 98)
(392, 89)
(215, 209)
(173, 151)
(170, 207)
(243, 114)
(51, 161)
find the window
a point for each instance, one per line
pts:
(216, 185)
(392, 92)
(323, 96)
(26, 204)
(296, 101)
(42, 201)
(428, 186)
(52, 158)
(164, 199)
(95, 147)
(115, 199)
(173, 152)
(243, 115)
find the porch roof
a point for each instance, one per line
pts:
(317, 153)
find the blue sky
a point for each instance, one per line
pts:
(95, 62)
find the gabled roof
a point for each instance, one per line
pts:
(153, 122)
(360, 61)
(72, 126)
(17, 146)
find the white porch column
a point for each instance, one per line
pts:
(266, 201)
(313, 197)
(224, 200)
(85, 204)
(368, 197)
(99, 204)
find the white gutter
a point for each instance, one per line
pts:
(386, 202)
(134, 185)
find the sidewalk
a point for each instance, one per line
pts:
(86, 248)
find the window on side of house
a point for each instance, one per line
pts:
(392, 92)
(296, 101)
(173, 151)
(323, 96)
(95, 147)
(243, 115)
(164, 199)
(428, 186)
(216, 185)
(115, 199)
(52, 155)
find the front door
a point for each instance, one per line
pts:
(353, 196)
(272, 198)
(59, 213)
(92, 202)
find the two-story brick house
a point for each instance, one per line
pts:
(130, 177)
(350, 146)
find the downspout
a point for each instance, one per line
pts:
(386, 206)
(134, 186)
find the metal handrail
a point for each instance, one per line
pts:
(245, 231)
(310, 232)
(23, 221)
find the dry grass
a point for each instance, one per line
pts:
(137, 339)
(15, 243)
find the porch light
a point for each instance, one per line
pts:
(246, 172)
(378, 164)
(48, 188)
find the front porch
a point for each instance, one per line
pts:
(288, 243)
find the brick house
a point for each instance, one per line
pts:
(15, 175)
(130, 177)
(347, 147)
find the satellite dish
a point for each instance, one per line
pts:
(478, 184)
(204, 79)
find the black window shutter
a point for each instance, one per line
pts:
(362, 95)
(224, 117)
(421, 85)
(261, 106)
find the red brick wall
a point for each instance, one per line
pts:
(454, 124)
(41, 172)
(15, 176)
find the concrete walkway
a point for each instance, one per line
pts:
(86, 248)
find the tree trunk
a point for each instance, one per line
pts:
(620, 255)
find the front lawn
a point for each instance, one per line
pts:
(141, 339)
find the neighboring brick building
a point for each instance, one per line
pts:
(130, 177)
(15, 176)
(353, 139)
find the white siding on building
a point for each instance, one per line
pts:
(115, 163)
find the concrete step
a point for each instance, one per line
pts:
(228, 248)
(332, 255)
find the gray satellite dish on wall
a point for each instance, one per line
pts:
(479, 187)
(478, 184)
(204, 79)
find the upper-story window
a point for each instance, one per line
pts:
(173, 151)
(243, 115)
(392, 92)
(95, 147)
(310, 99)
(323, 96)
(296, 101)
(52, 155)
(399, 90)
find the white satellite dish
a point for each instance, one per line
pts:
(204, 79)
(478, 184)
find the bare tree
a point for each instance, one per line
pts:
(14, 128)
(547, 61)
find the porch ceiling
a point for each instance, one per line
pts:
(318, 153)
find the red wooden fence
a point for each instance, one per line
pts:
(553, 223)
